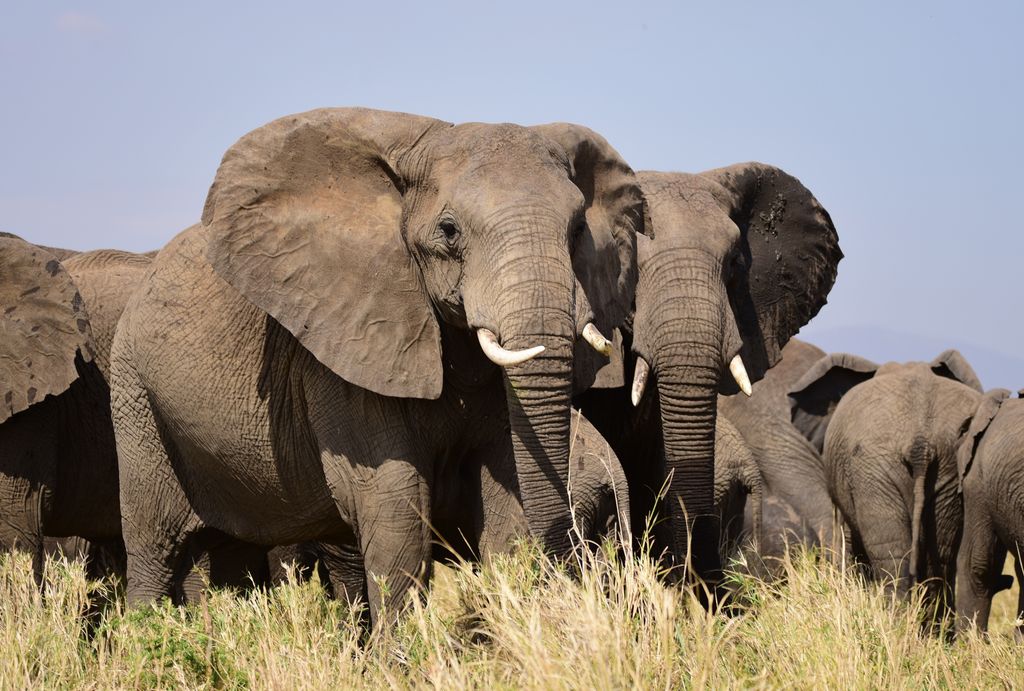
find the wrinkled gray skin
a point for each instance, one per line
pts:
(736, 260)
(993, 497)
(600, 499)
(303, 364)
(738, 487)
(100, 560)
(796, 489)
(891, 436)
(58, 463)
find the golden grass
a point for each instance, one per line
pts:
(519, 622)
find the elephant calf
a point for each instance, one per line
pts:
(992, 470)
(798, 508)
(891, 437)
(738, 486)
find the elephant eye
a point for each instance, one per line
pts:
(576, 234)
(735, 264)
(450, 232)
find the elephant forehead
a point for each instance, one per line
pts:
(685, 211)
(477, 143)
(492, 194)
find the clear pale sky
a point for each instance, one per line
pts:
(903, 118)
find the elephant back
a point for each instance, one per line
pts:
(105, 280)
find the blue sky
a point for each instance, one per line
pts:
(903, 118)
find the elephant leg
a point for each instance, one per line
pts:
(157, 520)
(21, 524)
(492, 513)
(394, 537)
(979, 564)
(883, 527)
(1018, 569)
(299, 556)
(28, 452)
(224, 562)
(346, 572)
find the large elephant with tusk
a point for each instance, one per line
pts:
(374, 305)
(734, 261)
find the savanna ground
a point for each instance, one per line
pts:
(519, 622)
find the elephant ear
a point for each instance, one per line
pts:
(43, 325)
(612, 374)
(304, 217)
(814, 397)
(983, 416)
(951, 364)
(790, 251)
(605, 254)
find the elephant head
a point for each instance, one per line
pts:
(983, 416)
(43, 326)
(363, 231)
(814, 397)
(735, 261)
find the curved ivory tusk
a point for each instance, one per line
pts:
(592, 336)
(498, 355)
(739, 373)
(639, 380)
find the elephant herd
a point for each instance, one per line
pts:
(389, 333)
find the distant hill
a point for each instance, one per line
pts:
(994, 368)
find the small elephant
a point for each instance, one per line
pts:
(58, 463)
(738, 487)
(991, 467)
(597, 486)
(735, 261)
(891, 436)
(375, 307)
(798, 509)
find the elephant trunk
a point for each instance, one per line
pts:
(620, 492)
(687, 308)
(531, 311)
(754, 484)
(538, 396)
(687, 400)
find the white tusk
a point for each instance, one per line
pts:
(498, 355)
(739, 373)
(639, 380)
(595, 339)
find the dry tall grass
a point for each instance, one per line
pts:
(519, 622)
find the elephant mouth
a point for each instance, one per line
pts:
(503, 357)
(642, 372)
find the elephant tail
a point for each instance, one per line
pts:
(919, 457)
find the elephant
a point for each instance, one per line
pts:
(739, 487)
(374, 307)
(58, 463)
(100, 560)
(799, 508)
(597, 486)
(735, 261)
(891, 436)
(991, 469)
